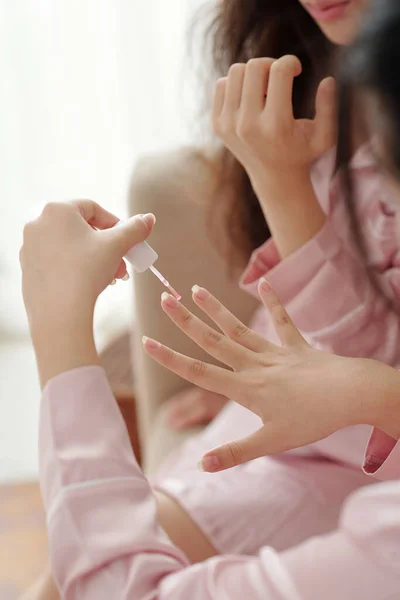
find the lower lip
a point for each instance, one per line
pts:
(331, 13)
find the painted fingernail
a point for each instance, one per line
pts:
(126, 277)
(114, 281)
(169, 300)
(200, 293)
(209, 464)
(150, 344)
(265, 285)
(149, 219)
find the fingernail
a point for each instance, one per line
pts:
(114, 281)
(169, 300)
(126, 277)
(149, 219)
(151, 344)
(200, 293)
(209, 464)
(265, 285)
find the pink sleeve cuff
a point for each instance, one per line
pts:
(382, 456)
(289, 276)
(307, 281)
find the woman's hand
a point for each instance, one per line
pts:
(301, 394)
(194, 406)
(253, 115)
(70, 253)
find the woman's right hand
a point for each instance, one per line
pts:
(301, 394)
(194, 406)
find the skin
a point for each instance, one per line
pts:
(88, 262)
(291, 208)
(341, 31)
(249, 125)
(283, 385)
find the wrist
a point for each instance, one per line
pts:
(290, 206)
(267, 180)
(380, 398)
(63, 342)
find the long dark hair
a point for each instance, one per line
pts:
(244, 29)
(369, 68)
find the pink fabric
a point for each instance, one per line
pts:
(105, 541)
(288, 498)
(103, 535)
(324, 287)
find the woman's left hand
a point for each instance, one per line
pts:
(301, 394)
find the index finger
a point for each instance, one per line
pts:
(95, 215)
(280, 87)
(206, 376)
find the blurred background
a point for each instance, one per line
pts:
(86, 87)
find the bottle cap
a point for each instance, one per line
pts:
(141, 257)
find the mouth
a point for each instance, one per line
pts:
(328, 11)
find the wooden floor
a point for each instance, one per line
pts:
(23, 543)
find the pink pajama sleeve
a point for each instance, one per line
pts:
(326, 292)
(105, 541)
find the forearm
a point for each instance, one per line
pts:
(290, 206)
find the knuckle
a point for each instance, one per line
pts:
(169, 356)
(286, 65)
(240, 331)
(217, 126)
(280, 315)
(51, 208)
(27, 229)
(281, 68)
(255, 62)
(213, 338)
(236, 69)
(187, 318)
(226, 127)
(198, 368)
(246, 128)
(260, 63)
(235, 453)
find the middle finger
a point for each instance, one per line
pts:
(216, 344)
(228, 323)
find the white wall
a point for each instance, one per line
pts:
(86, 86)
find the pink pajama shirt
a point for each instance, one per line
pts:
(323, 285)
(105, 542)
(302, 525)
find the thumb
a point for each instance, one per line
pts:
(263, 442)
(325, 114)
(131, 232)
